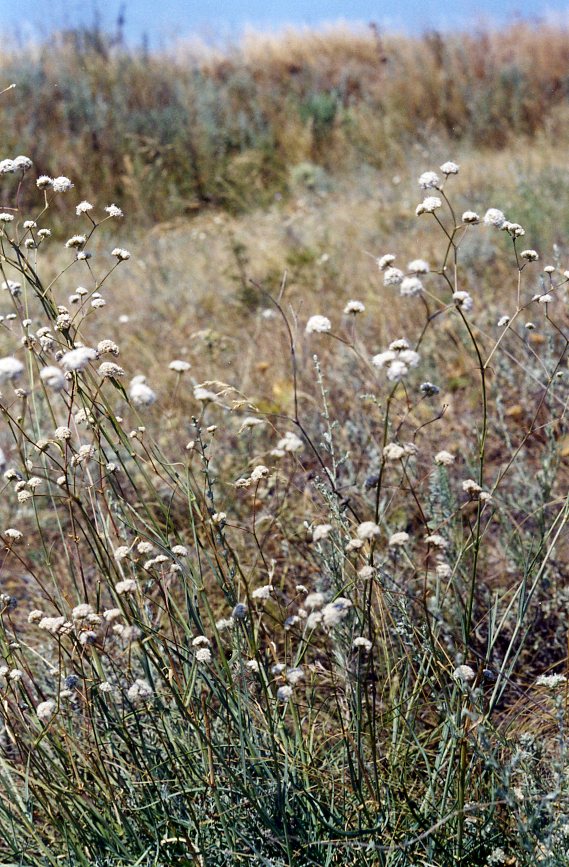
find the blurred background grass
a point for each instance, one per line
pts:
(172, 133)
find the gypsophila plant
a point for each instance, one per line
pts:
(306, 635)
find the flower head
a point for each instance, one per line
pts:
(494, 217)
(79, 358)
(10, 368)
(428, 205)
(354, 307)
(141, 395)
(61, 184)
(318, 325)
(429, 180)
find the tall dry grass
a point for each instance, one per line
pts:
(172, 133)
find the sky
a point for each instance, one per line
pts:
(160, 21)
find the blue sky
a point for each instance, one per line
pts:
(162, 20)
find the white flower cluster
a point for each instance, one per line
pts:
(397, 360)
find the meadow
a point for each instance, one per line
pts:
(284, 444)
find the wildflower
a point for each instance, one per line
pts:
(313, 619)
(367, 530)
(83, 417)
(6, 218)
(109, 370)
(35, 616)
(549, 269)
(23, 163)
(203, 655)
(444, 458)
(121, 254)
(76, 242)
(45, 710)
(496, 856)
(429, 180)
(145, 547)
(180, 551)
(141, 394)
(463, 301)
(219, 517)
(284, 693)
(314, 600)
(201, 393)
(411, 286)
(398, 540)
(78, 359)
(260, 472)
(429, 389)
(81, 612)
(362, 642)
(51, 624)
(83, 207)
(44, 182)
(385, 261)
(252, 665)
(436, 540)
(61, 184)
(464, 673)
(85, 453)
(397, 359)
(113, 211)
(290, 443)
(16, 674)
(13, 535)
(503, 321)
(320, 532)
(513, 229)
(472, 488)
(129, 585)
(443, 570)
(294, 675)
(139, 690)
(354, 307)
(111, 614)
(7, 167)
(428, 205)
(179, 366)
(96, 303)
(105, 347)
(44, 233)
(318, 325)
(262, 592)
(551, 681)
(10, 368)
(450, 168)
(383, 358)
(393, 277)
(393, 452)
(334, 612)
(250, 422)
(105, 687)
(418, 266)
(494, 217)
